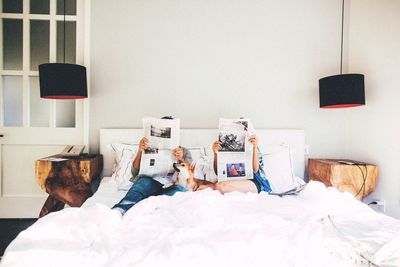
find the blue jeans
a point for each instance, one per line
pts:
(145, 187)
(262, 182)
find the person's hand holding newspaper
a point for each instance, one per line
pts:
(216, 146)
(253, 140)
(143, 144)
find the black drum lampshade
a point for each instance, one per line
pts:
(342, 91)
(62, 81)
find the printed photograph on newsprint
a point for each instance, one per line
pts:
(162, 133)
(236, 153)
(232, 141)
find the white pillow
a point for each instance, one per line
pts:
(279, 168)
(196, 152)
(124, 154)
(204, 169)
(209, 151)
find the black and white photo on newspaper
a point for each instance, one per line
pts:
(163, 136)
(232, 141)
(162, 133)
(236, 153)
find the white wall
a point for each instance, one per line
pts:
(374, 130)
(201, 60)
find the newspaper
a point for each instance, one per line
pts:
(157, 163)
(293, 191)
(241, 124)
(54, 159)
(235, 158)
(163, 135)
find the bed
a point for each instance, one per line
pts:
(317, 227)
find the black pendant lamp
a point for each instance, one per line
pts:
(61, 80)
(343, 90)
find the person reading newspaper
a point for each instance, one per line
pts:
(238, 162)
(258, 183)
(145, 186)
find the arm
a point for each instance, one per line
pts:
(256, 160)
(216, 147)
(143, 144)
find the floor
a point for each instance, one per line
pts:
(9, 229)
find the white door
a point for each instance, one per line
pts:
(31, 33)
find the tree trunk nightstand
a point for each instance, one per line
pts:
(358, 178)
(67, 180)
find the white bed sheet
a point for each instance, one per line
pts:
(107, 194)
(320, 227)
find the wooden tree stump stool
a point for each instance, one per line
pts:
(67, 180)
(358, 179)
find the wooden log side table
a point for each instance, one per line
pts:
(67, 180)
(344, 177)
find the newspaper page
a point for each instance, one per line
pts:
(162, 133)
(157, 163)
(163, 136)
(236, 153)
(241, 124)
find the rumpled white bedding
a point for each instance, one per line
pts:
(319, 227)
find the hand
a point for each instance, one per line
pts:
(253, 141)
(178, 154)
(216, 146)
(143, 144)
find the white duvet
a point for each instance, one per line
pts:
(319, 227)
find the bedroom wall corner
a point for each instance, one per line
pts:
(373, 130)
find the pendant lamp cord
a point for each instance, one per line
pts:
(341, 41)
(64, 32)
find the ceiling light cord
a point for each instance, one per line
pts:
(64, 33)
(341, 41)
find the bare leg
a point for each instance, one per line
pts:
(208, 185)
(243, 186)
(202, 184)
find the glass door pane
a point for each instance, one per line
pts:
(40, 42)
(70, 7)
(12, 99)
(65, 113)
(12, 44)
(40, 6)
(39, 107)
(12, 6)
